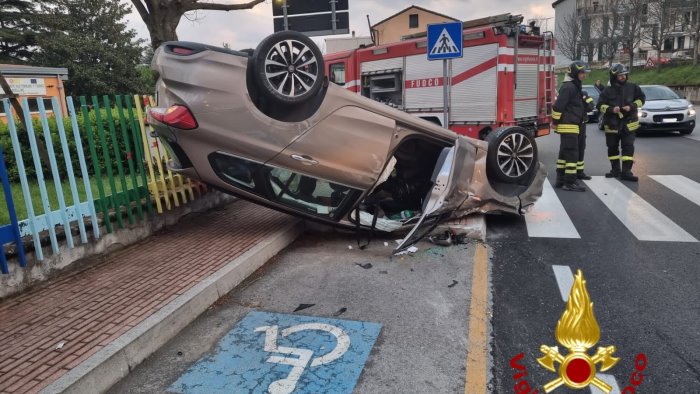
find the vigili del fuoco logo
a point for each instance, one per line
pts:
(578, 331)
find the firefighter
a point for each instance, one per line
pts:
(589, 104)
(618, 104)
(568, 116)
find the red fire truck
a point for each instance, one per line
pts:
(505, 77)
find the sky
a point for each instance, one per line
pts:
(245, 28)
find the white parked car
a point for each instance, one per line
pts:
(665, 110)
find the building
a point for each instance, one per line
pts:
(600, 30)
(35, 82)
(406, 22)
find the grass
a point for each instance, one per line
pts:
(670, 76)
(21, 208)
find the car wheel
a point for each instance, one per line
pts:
(288, 68)
(512, 155)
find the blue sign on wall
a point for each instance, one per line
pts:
(279, 353)
(444, 40)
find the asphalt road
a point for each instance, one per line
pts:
(645, 293)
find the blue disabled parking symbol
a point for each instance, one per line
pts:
(278, 353)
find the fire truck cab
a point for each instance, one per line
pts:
(504, 78)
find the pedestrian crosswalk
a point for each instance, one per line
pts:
(695, 136)
(549, 219)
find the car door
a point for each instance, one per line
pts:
(434, 208)
(349, 147)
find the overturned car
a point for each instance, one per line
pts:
(267, 126)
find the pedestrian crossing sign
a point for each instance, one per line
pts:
(444, 40)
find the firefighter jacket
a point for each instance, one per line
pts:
(620, 95)
(569, 110)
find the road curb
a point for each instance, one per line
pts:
(115, 361)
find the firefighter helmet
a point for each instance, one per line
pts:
(615, 70)
(618, 69)
(577, 67)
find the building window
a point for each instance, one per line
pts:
(337, 73)
(413, 21)
(595, 6)
(668, 44)
(33, 103)
(681, 43)
(645, 9)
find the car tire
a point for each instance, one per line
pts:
(288, 68)
(512, 155)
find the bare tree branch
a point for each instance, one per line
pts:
(141, 9)
(196, 5)
(569, 36)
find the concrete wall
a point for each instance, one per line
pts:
(692, 93)
(36, 272)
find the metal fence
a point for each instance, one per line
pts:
(115, 178)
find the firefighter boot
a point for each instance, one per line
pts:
(615, 172)
(583, 175)
(560, 178)
(572, 185)
(626, 174)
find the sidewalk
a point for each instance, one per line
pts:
(83, 331)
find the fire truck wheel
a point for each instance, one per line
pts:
(512, 155)
(288, 68)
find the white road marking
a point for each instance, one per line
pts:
(565, 279)
(609, 379)
(548, 218)
(681, 185)
(695, 137)
(642, 219)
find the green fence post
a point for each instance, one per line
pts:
(124, 195)
(136, 193)
(136, 133)
(96, 164)
(108, 163)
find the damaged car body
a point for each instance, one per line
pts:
(268, 127)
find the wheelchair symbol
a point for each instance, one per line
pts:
(303, 356)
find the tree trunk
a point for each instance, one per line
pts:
(162, 25)
(631, 52)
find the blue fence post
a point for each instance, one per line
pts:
(83, 167)
(9, 232)
(31, 218)
(40, 177)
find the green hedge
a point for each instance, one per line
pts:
(23, 137)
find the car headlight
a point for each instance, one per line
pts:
(691, 110)
(642, 114)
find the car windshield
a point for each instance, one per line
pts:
(592, 91)
(654, 93)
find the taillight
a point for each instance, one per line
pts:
(177, 116)
(182, 51)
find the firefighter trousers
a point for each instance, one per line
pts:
(568, 157)
(621, 139)
(581, 148)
